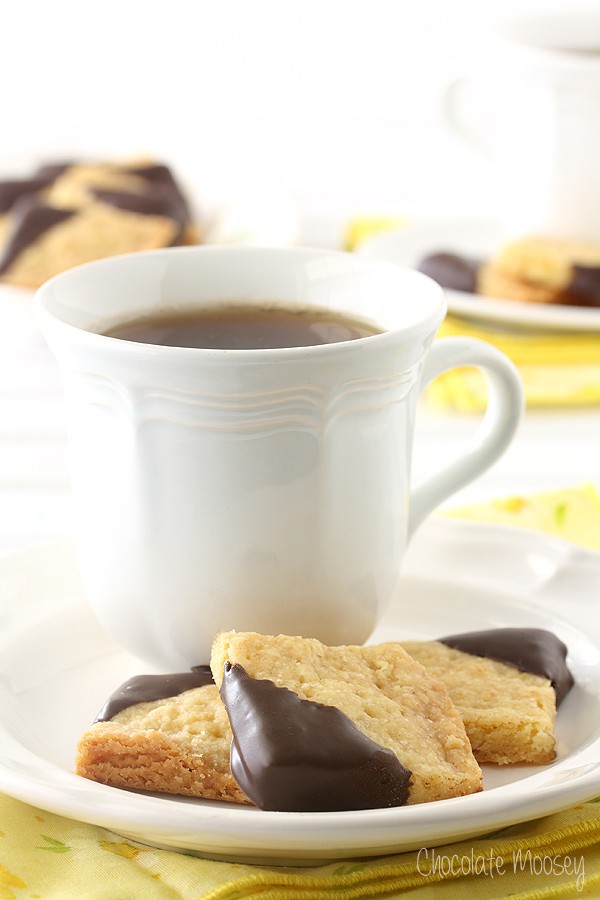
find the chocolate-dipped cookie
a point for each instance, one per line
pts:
(383, 693)
(72, 213)
(506, 684)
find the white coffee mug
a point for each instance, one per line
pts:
(263, 489)
(535, 107)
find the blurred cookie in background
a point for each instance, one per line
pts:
(541, 270)
(544, 270)
(70, 213)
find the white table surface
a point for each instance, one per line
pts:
(552, 449)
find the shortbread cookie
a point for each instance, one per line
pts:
(143, 187)
(46, 240)
(492, 281)
(72, 213)
(379, 692)
(506, 684)
(571, 267)
(174, 744)
(75, 185)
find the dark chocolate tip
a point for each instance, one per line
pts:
(52, 171)
(585, 283)
(162, 197)
(152, 204)
(30, 219)
(146, 688)
(451, 271)
(157, 173)
(532, 650)
(296, 755)
(11, 191)
(158, 200)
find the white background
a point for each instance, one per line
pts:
(339, 100)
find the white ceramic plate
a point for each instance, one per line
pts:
(478, 239)
(58, 666)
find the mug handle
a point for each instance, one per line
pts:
(468, 126)
(496, 431)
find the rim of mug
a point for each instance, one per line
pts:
(507, 30)
(49, 319)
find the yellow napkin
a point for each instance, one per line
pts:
(47, 857)
(360, 228)
(557, 368)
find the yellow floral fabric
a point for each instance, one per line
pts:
(572, 514)
(48, 857)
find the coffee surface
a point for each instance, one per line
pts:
(245, 328)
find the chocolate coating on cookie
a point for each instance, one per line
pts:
(585, 283)
(162, 197)
(451, 271)
(532, 650)
(11, 191)
(52, 171)
(146, 688)
(156, 202)
(157, 173)
(296, 755)
(30, 219)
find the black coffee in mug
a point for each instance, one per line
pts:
(243, 327)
